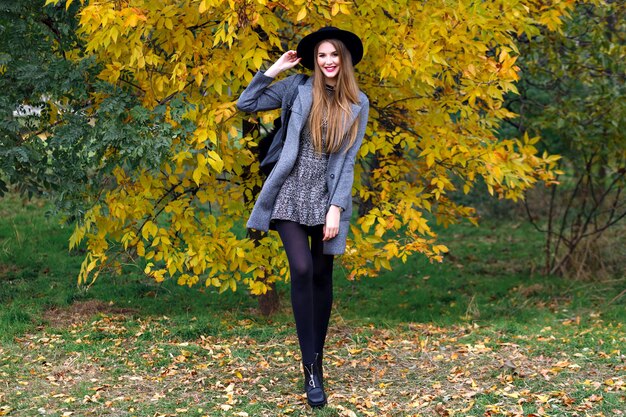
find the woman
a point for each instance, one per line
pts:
(307, 197)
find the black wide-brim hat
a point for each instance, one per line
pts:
(306, 47)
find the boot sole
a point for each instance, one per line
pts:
(317, 405)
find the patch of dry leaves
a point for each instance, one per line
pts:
(116, 366)
(81, 311)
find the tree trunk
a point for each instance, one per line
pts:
(269, 303)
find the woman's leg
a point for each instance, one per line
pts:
(322, 288)
(296, 243)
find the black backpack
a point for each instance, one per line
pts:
(271, 145)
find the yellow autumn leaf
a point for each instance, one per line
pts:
(301, 14)
(202, 7)
(215, 161)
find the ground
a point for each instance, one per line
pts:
(105, 363)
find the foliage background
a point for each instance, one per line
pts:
(142, 145)
(572, 94)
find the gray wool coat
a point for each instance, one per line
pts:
(262, 94)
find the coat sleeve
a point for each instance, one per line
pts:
(343, 194)
(261, 94)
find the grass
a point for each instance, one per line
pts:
(482, 334)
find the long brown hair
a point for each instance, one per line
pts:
(336, 107)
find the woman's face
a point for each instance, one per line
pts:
(328, 60)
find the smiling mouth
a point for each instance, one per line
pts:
(330, 69)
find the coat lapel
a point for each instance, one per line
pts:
(305, 97)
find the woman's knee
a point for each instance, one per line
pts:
(301, 272)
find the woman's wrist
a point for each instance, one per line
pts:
(273, 71)
(288, 60)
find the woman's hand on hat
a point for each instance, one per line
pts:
(287, 61)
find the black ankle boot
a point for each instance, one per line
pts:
(315, 395)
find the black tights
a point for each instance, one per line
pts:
(311, 284)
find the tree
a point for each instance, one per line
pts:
(54, 138)
(34, 75)
(572, 94)
(436, 74)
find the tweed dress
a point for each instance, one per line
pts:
(303, 197)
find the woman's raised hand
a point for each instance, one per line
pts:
(287, 60)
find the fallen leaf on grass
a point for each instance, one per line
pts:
(345, 412)
(441, 410)
(595, 398)
(468, 407)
